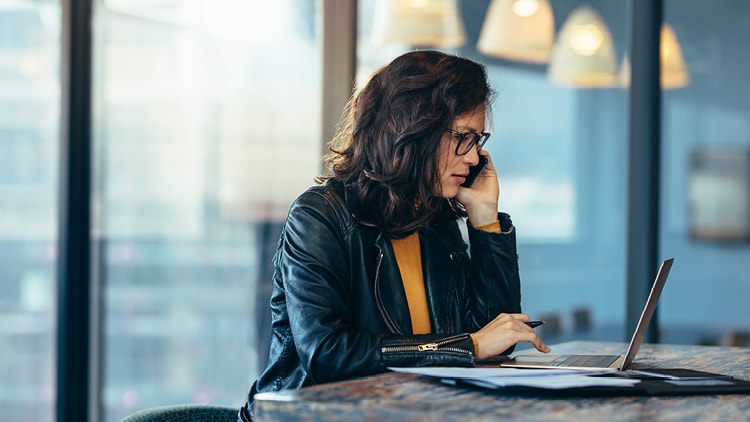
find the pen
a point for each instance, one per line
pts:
(533, 324)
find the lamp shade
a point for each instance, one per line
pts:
(583, 55)
(674, 72)
(522, 30)
(418, 23)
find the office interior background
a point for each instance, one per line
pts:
(207, 119)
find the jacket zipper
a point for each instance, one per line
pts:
(378, 301)
(430, 346)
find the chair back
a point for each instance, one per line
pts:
(185, 413)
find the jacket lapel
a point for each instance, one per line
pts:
(441, 258)
(388, 285)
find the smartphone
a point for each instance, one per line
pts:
(474, 171)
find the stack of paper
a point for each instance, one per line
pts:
(515, 377)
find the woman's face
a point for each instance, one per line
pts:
(453, 167)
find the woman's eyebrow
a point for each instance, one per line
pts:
(467, 129)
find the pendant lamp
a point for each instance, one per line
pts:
(674, 72)
(521, 30)
(583, 55)
(418, 23)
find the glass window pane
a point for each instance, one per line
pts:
(705, 218)
(207, 126)
(29, 139)
(560, 150)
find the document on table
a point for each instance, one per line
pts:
(553, 379)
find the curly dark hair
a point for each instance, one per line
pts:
(388, 142)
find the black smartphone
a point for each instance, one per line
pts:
(474, 171)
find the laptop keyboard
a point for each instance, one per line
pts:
(585, 361)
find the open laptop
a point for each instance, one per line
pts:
(599, 362)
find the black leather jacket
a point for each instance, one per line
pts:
(339, 307)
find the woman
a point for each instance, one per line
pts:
(371, 270)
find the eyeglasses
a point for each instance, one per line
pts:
(473, 138)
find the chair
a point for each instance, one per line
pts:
(736, 338)
(185, 413)
(581, 319)
(552, 325)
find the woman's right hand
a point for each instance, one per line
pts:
(503, 332)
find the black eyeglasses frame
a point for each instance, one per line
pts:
(478, 139)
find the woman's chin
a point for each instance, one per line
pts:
(450, 192)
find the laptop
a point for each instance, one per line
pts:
(599, 362)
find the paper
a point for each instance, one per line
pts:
(554, 382)
(484, 372)
(553, 379)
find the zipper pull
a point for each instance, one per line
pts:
(426, 347)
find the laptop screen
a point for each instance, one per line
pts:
(648, 312)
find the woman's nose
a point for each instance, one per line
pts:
(472, 157)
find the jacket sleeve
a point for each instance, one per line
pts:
(314, 267)
(494, 285)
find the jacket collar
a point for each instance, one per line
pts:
(441, 260)
(442, 250)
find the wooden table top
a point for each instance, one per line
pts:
(407, 397)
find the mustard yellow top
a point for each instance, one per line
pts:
(409, 259)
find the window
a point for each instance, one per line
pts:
(29, 125)
(703, 226)
(561, 154)
(206, 127)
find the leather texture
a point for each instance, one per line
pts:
(338, 305)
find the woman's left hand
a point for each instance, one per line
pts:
(481, 199)
(505, 331)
